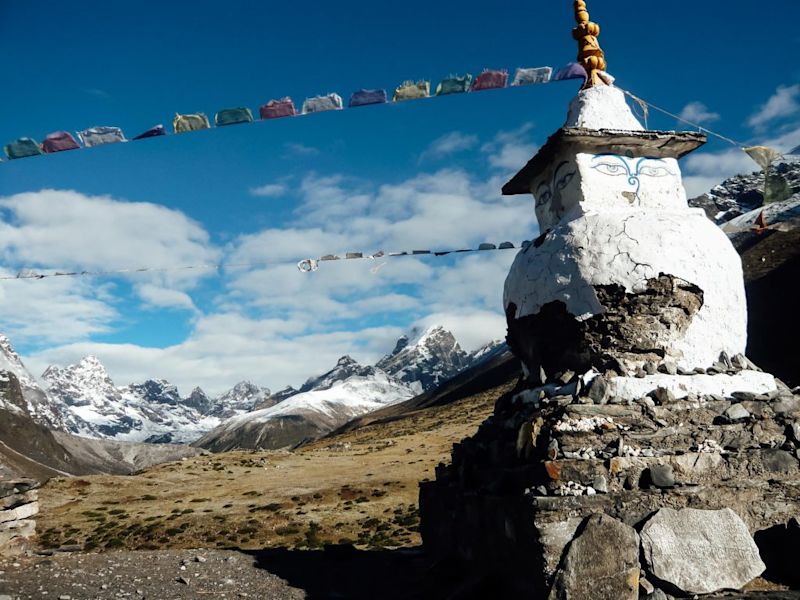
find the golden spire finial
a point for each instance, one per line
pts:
(590, 55)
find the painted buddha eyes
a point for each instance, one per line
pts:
(610, 168)
(561, 179)
(614, 165)
(564, 180)
(650, 171)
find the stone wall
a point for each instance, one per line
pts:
(18, 505)
(520, 492)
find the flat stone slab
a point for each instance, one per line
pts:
(631, 388)
(700, 551)
(601, 563)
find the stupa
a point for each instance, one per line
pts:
(641, 451)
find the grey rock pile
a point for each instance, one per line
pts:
(18, 505)
(571, 485)
(742, 193)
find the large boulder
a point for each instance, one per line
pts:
(700, 551)
(601, 563)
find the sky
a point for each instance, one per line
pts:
(421, 174)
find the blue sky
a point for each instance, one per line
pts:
(418, 174)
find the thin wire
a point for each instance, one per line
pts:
(681, 119)
(33, 274)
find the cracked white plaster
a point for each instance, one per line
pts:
(628, 247)
(623, 219)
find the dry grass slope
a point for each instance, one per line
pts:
(358, 487)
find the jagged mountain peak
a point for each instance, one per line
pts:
(157, 390)
(425, 358)
(345, 368)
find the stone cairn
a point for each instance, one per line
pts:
(642, 454)
(18, 505)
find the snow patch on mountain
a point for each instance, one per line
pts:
(37, 404)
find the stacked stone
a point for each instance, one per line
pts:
(552, 456)
(18, 504)
(642, 454)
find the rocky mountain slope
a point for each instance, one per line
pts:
(90, 404)
(742, 193)
(29, 449)
(426, 359)
(417, 364)
(93, 406)
(770, 259)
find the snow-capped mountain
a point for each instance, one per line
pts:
(426, 359)
(310, 414)
(241, 398)
(37, 404)
(418, 363)
(83, 399)
(93, 406)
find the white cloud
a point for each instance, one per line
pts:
(161, 297)
(228, 348)
(297, 149)
(52, 230)
(271, 323)
(448, 144)
(704, 170)
(269, 190)
(786, 140)
(55, 311)
(66, 229)
(697, 112)
(472, 329)
(783, 103)
(511, 150)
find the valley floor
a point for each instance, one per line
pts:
(357, 488)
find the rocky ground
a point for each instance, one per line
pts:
(158, 575)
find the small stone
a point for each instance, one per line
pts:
(590, 491)
(737, 412)
(600, 484)
(778, 461)
(565, 377)
(65, 597)
(650, 368)
(739, 362)
(796, 431)
(786, 404)
(640, 373)
(663, 396)
(182, 580)
(662, 476)
(699, 371)
(645, 587)
(104, 586)
(598, 390)
(200, 559)
(552, 449)
(682, 371)
(744, 396)
(671, 367)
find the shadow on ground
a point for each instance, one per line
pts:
(342, 572)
